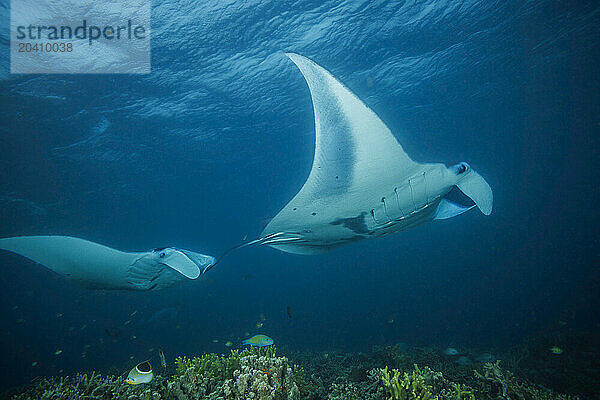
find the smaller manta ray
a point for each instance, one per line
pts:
(362, 184)
(96, 266)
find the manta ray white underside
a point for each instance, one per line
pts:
(362, 184)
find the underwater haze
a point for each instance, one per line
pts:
(203, 151)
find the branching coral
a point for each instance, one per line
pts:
(254, 373)
(263, 377)
(496, 382)
(404, 386)
(83, 386)
(461, 392)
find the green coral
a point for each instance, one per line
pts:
(84, 386)
(404, 386)
(248, 373)
(262, 377)
(258, 373)
(344, 391)
(497, 383)
(460, 392)
(220, 367)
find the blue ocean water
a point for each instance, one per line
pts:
(200, 153)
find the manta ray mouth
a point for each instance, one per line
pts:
(455, 195)
(282, 238)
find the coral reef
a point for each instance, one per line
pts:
(349, 389)
(404, 386)
(262, 377)
(391, 373)
(248, 374)
(497, 383)
(576, 370)
(252, 373)
(82, 386)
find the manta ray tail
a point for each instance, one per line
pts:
(474, 186)
(261, 240)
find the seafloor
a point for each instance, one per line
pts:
(529, 371)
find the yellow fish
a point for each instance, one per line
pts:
(556, 350)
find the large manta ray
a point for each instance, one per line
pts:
(362, 184)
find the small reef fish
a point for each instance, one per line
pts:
(141, 373)
(229, 343)
(289, 312)
(259, 325)
(246, 277)
(58, 315)
(450, 351)
(263, 317)
(33, 364)
(58, 352)
(163, 360)
(556, 350)
(258, 341)
(215, 340)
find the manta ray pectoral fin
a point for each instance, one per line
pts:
(474, 186)
(355, 156)
(88, 263)
(448, 209)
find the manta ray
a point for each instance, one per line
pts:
(362, 184)
(95, 266)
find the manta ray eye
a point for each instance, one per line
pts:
(162, 254)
